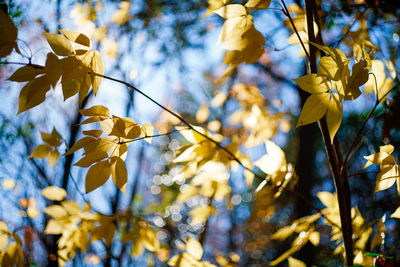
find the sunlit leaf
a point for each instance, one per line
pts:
(313, 83)
(314, 109)
(25, 73)
(54, 193)
(231, 11)
(76, 37)
(33, 93)
(41, 151)
(97, 175)
(194, 248)
(60, 45)
(119, 172)
(334, 115)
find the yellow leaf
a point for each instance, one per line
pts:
(97, 175)
(194, 248)
(91, 158)
(202, 114)
(147, 130)
(33, 93)
(273, 161)
(8, 184)
(71, 207)
(330, 67)
(76, 37)
(53, 157)
(80, 144)
(53, 139)
(8, 34)
(334, 115)
(200, 214)
(233, 30)
(313, 83)
(387, 177)
(314, 109)
(41, 151)
(13, 255)
(396, 214)
(94, 133)
(385, 89)
(295, 262)
(53, 227)
(53, 69)
(375, 80)
(119, 173)
(25, 73)
(336, 53)
(258, 4)
(314, 238)
(231, 11)
(96, 66)
(358, 77)
(55, 211)
(60, 45)
(95, 111)
(3, 235)
(54, 193)
(121, 16)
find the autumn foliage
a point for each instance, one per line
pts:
(212, 148)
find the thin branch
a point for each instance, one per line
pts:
(361, 173)
(179, 117)
(151, 136)
(286, 13)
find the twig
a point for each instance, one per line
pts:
(286, 13)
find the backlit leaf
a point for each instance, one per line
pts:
(41, 151)
(295, 262)
(25, 73)
(334, 115)
(258, 4)
(95, 111)
(60, 45)
(97, 175)
(194, 248)
(231, 11)
(76, 37)
(91, 158)
(119, 172)
(54, 193)
(33, 93)
(314, 109)
(396, 214)
(313, 83)
(96, 66)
